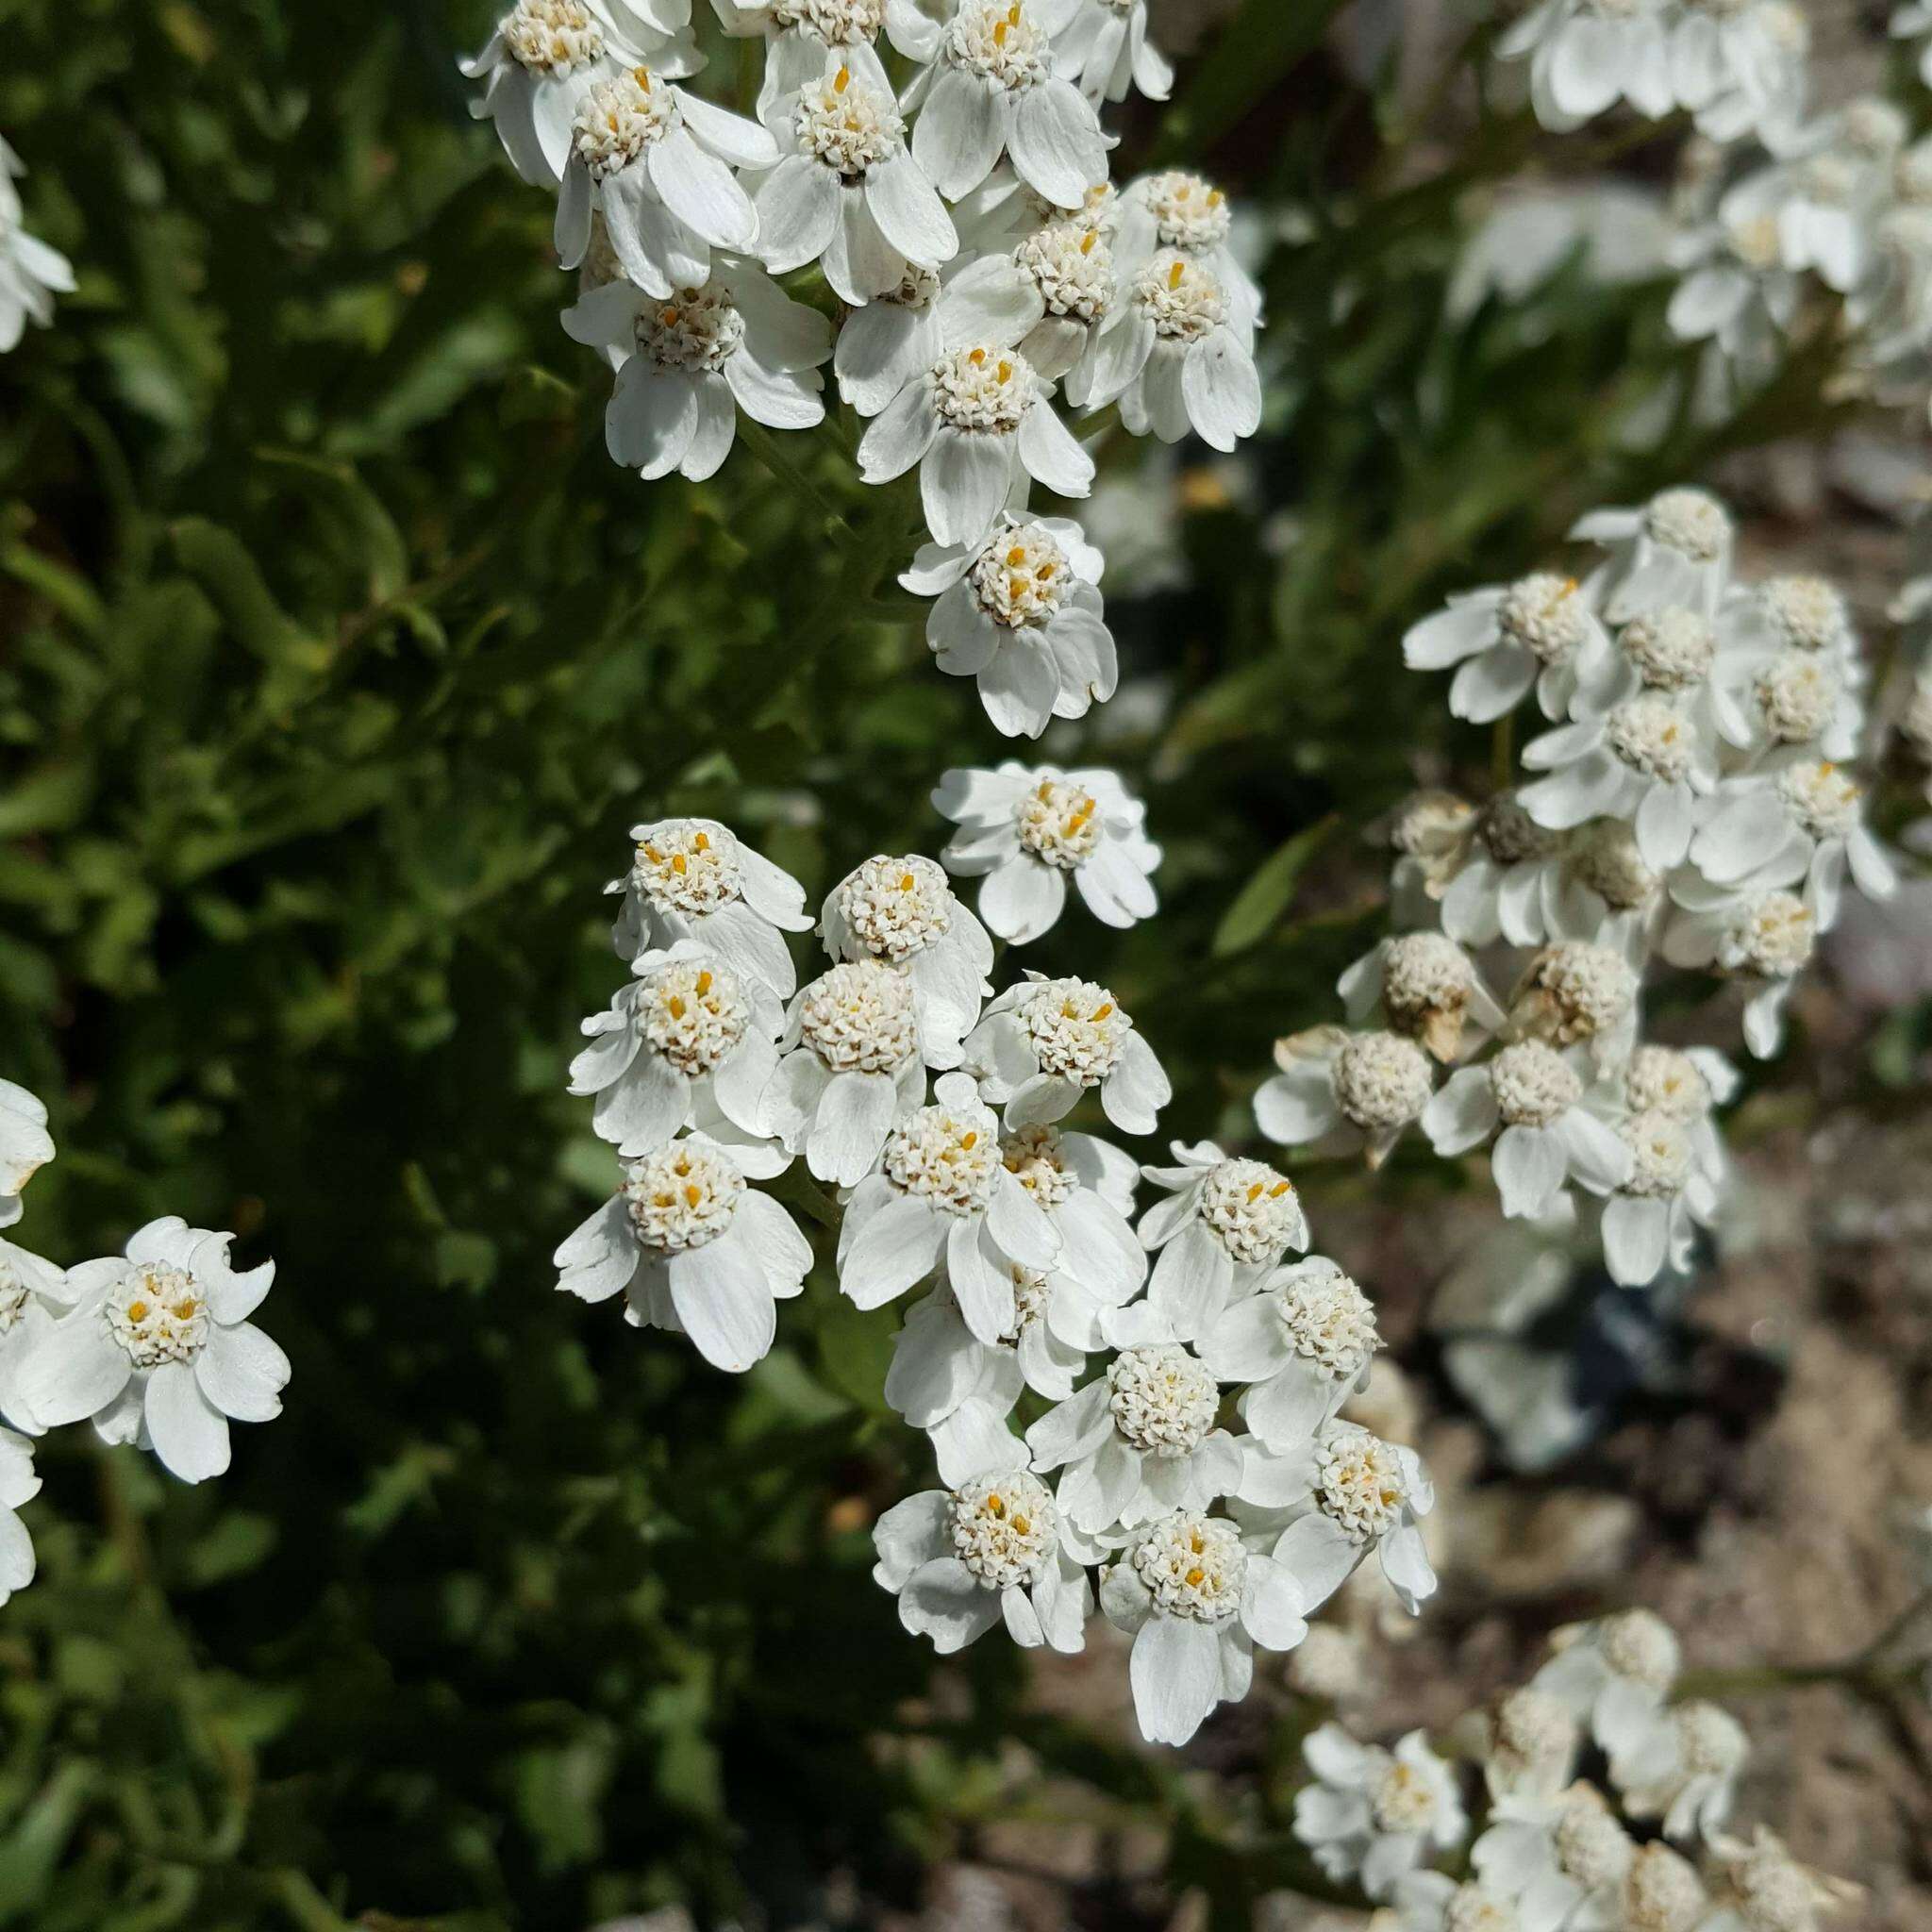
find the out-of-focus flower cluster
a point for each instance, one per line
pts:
(1601, 1798)
(1690, 807)
(31, 274)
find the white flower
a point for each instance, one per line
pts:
(25, 1146)
(1674, 550)
(978, 417)
(846, 190)
(890, 341)
(1563, 1860)
(31, 274)
(1531, 1745)
(1341, 1492)
(1763, 939)
(993, 88)
(989, 1547)
(1503, 878)
(1020, 610)
(1840, 171)
(1177, 352)
(1506, 639)
(687, 364)
(1433, 1902)
(540, 62)
(938, 1365)
(33, 1293)
(1649, 1219)
(1606, 894)
(1373, 1815)
(1737, 292)
(1222, 1225)
(944, 1195)
(901, 910)
(1344, 1092)
(1175, 210)
(18, 1485)
(1758, 1887)
(1425, 986)
(1572, 991)
(1197, 1603)
(851, 1069)
(654, 162)
(801, 35)
(1662, 1893)
(1105, 48)
(1742, 67)
(1587, 55)
(1613, 1675)
(698, 1251)
(1534, 1093)
(1139, 1440)
(1045, 1042)
(693, 879)
(1303, 1341)
(1029, 829)
(1069, 260)
(158, 1349)
(1686, 1769)
(685, 1019)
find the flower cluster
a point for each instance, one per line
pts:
(31, 274)
(1688, 806)
(985, 275)
(1172, 1423)
(154, 1346)
(1532, 1846)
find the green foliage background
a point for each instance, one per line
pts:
(335, 660)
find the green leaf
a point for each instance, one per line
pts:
(220, 562)
(1268, 892)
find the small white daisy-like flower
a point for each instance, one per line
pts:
(1177, 353)
(1070, 262)
(685, 1018)
(1303, 1341)
(1736, 292)
(1662, 1893)
(990, 1547)
(894, 340)
(1534, 1094)
(1372, 1815)
(1028, 830)
(1563, 1860)
(1045, 1042)
(1503, 879)
(1104, 49)
(31, 274)
(1223, 1225)
(158, 1349)
(1585, 56)
(654, 162)
(1530, 1749)
(1020, 611)
(801, 36)
(994, 86)
(1686, 1769)
(979, 417)
(851, 1068)
(1535, 632)
(695, 1251)
(687, 363)
(1427, 987)
(1434, 1901)
(1742, 68)
(1344, 1092)
(1339, 1495)
(1675, 550)
(540, 62)
(1650, 1219)
(1185, 212)
(1572, 992)
(1613, 1675)
(1756, 1886)
(1197, 1603)
(846, 191)
(33, 1293)
(1763, 939)
(904, 913)
(1605, 895)
(25, 1146)
(1839, 173)
(944, 1194)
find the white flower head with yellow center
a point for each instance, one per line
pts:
(1674, 551)
(1019, 611)
(1372, 1815)
(1426, 988)
(1029, 830)
(1562, 1858)
(1585, 56)
(1508, 639)
(1044, 1043)
(158, 1349)
(1614, 1675)
(34, 1294)
(694, 1248)
(1344, 1092)
(1106, 50)
(1762, 937)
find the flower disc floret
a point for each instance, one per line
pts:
(1382, 1080)
(1004, 1528)
(1510, 835)
(617, 120)
(1587, 988)
(1188, 212)
(682, 1196)
(984, 388)
(1772, 937)
(1651, 736)
(949, 1155)
(1250, 1209)
(1424, 973)
(1771, 1891)
(1427, 822)
(1670, 649)
(1031, 1294)
(1710, 1742)
(1077, 1030)
(1533, 1084)
(897, 907)
(693, 1015)
(1072, 266)
(1021, 576)
(1359, 1482)
(697, 330)
(158, 1315)
(849, 126)
(1162, 1399)
(1822, 800)
(1808, 613)
(685, 866)
(1181, 298)
(1544, 614)
(1609, 862)
(1590, 1846)
(1403, 1798)
(1691, 522)
(858, 1019)
(1476, 1909)
(1032, 1156)
(1659, 1154)
(1003, 43)
(553, 37)
(1059, 823)
(1639, 1645)
(1192, 1566)
(1535, 1734)
(1329, 1321)
(1662, 1893)
(1797, 693)
(1663, 1080)
(838, 23)
(1874, 128)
